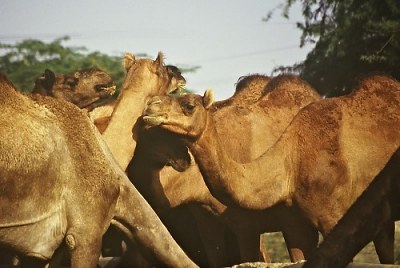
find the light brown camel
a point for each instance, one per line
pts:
(144, 78)
(268, 117)
(62, 187)
(101, 115)
(175, 81)
(322, 162)
(86, 88)
(216, 255)
(369, 214)
(80, 87)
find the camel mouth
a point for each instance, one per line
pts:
(179, 90)
(154, 120)
(106, 89)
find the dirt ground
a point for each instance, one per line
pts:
(278, 252)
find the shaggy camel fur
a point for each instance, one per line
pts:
(101, 115)
(324, 154)
(377, 205)
(170, 189)
(88, 88)
(58, 150)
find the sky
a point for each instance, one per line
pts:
(226, 38)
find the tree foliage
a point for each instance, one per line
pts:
(351, 38)
(24, 61)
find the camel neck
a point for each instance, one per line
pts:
(258, 184)
(120, 134)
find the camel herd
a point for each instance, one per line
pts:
(178, 180)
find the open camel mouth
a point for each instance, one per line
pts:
(106, 89)
(105, 93)
(179, 90)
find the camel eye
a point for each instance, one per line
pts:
(189, 107)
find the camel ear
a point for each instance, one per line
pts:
(129, 60)
(208, 98)
(49, 79)
(160, 59)
(159, 63)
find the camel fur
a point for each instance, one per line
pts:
(61, 186)
(87, 88)
(378, 206)
(331, 150)
(171, 189)
(101, 115)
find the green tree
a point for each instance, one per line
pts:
(351, 38)
(24, 61)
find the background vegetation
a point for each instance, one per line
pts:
(351, 38)
(24, 61)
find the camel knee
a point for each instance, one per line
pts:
(70, 241)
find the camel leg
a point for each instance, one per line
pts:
(301, 238)
(252, 247)
(212, 235)
(85, 249)
(384, 243)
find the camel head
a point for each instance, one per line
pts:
(176, 81)
(184, 115)
(86, 88)
(153, 73)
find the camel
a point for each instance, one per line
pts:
(249, 89)
(87, 88)
(175, 82)
(101, 115)
(171, 189)
(369, 214)
(65, 188)
(323, 155)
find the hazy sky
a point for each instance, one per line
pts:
(227, 38)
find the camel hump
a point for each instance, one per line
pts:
(249, 89)
(6, 82)
(289, 91)
(290, 82)
(378, 84)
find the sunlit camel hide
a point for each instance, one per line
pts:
(282, 99)
(62, 187)
(327, 156)
(87, 88)
(175, 82)
(101, 115)
(63, 88)
(370, 213)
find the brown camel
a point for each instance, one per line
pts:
(369, 214)
(249, 89)
(175, 81)
(144, 78)
(64, 188)
(268, 117)
(324, 154)
(101, 115)
(86, 88)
